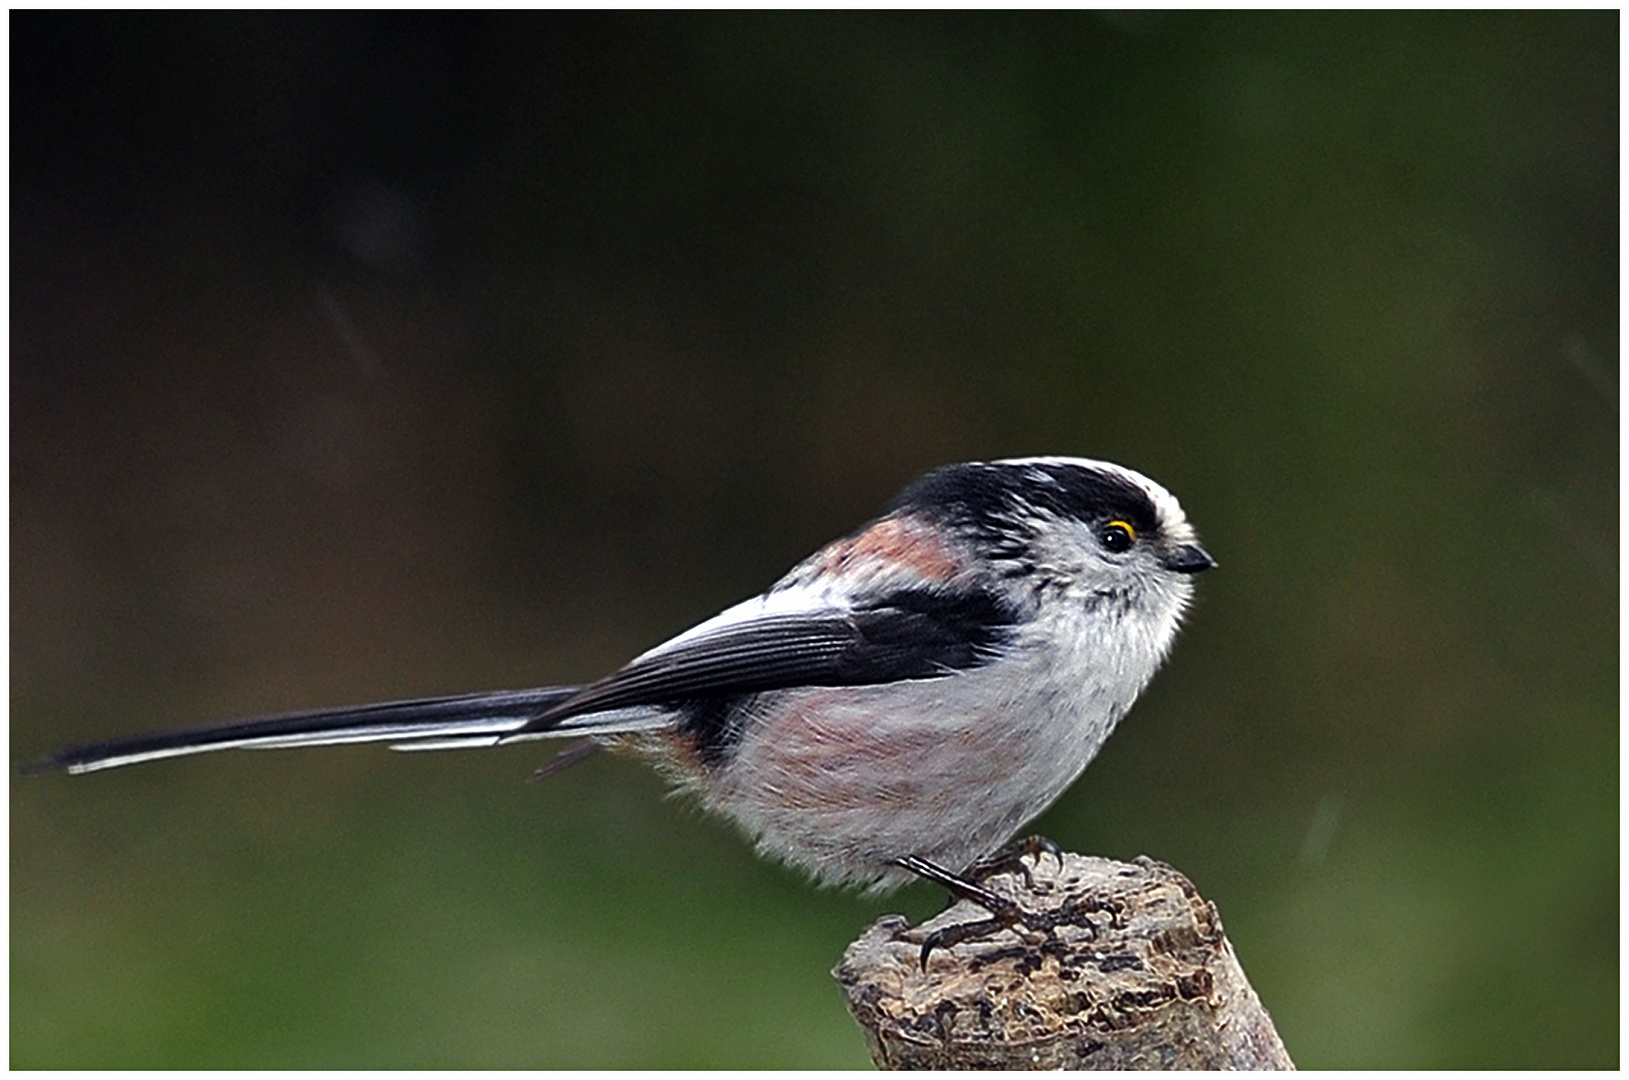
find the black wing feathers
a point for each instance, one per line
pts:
(923, 633)
(910, 634)
(752, 656)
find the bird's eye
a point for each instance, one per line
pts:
(1117, 536)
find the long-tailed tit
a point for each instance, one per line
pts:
(907, 697)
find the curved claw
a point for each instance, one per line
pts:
(951, 936)
(1010, 859)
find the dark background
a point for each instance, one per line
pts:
(368, 356)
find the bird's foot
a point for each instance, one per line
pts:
(1005, 912)
(1010, 860)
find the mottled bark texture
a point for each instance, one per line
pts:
(1139, 975)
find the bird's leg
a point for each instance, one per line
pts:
(1005, 913)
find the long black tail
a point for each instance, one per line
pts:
(467, 720)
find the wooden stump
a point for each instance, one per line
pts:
(1145, 979)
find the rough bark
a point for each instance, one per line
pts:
(1140, 976)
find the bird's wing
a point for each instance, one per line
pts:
(750, 648)
(763, 645)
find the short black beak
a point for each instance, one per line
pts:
(1189, 559)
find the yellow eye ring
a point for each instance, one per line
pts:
(1117, 535)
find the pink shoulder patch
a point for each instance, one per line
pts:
(901, 541)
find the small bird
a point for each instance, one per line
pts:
(899, 704)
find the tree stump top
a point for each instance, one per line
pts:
(1139, 975)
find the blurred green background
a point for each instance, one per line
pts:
(360, 357)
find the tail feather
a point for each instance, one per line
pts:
(467, 720)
